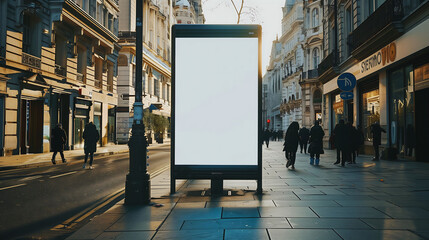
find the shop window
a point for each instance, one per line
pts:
(401, 88)
(370, 111)
(337, 109)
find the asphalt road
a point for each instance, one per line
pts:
(34, 201)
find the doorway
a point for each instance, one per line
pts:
(422, 115)
(31, 126)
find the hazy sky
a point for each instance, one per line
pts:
(267, 13)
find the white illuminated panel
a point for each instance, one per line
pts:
(216, 101)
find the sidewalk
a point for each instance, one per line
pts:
(369, 200)
(44, 159)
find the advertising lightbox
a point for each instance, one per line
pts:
(216, 107)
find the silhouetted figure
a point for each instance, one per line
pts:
(339, 140)
(376, 139)
(267, 136)
(304, 134)
(91, 136)
(58, 139)
(316, 143)
(291, 144)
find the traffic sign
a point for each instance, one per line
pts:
(346, 82)
(346, 95)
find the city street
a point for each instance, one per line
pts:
(34, 202)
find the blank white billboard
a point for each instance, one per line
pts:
(216, 101)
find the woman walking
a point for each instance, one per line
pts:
(316, 143)
(58, 139)
(291, 144)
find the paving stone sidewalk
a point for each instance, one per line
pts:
(368, 200)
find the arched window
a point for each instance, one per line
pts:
(316, 57)
(317, 96)
(315, 17)
(122, 60)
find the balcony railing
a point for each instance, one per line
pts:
(310, 74)
(110, 87)
(97, 83)
(60, 70)
(31, 60)
(329, 62)
(389, 12)
(80, 77)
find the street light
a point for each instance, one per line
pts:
(137, 185)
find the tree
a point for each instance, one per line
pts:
(241, 11)
(156, 123)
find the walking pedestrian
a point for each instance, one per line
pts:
(376, 130)
(316, 143)
(266, 137)
(304, 134)
(91, 136)
(340, 138)
(291, 144)
(58, 139)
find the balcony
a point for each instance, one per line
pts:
(60, 70)
(310, 74)
(327, 68)
(31, 60)
(98, 83)
(380, 28)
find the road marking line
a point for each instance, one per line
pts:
(64, 174)
(69, 223)
(14, 186)
(30, 178)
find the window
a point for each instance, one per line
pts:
(110, 67)
(81, 62)
(348, 28)
(371, 6)
(60, 54)
(98, 72)
(156, 87)
(93, 8)
(110, 22)
(316, 57)
(31, 36)
(315, 17)
(370, 111)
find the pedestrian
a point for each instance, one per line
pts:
(316, 143)
(291, 144)
(349, 144)
(266, 137)
(357, 142)
(304, 134)
(376, 130)
(91, 136)
(340, 139)
(58, 139)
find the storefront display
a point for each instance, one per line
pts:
(337, 109)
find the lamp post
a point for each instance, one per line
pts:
(137, 185)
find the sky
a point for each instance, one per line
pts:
(267, 13)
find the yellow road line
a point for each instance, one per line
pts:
(14, 186)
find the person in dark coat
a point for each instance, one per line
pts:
(266, 137)
(291, 144)
(376, 139)
(58, 139)
(316, 143)
(91, 136)
(340, 139)
(349, 144)
(304, 134)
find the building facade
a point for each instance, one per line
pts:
(57, 65)
(385, 44)
(292, 61)
(157, 22)
(189, 12)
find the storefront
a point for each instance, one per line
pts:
(98, 119)
(393, 90)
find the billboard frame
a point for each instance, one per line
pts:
(215, 172)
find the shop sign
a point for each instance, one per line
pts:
(380, 58)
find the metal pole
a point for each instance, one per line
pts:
(137, 185)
